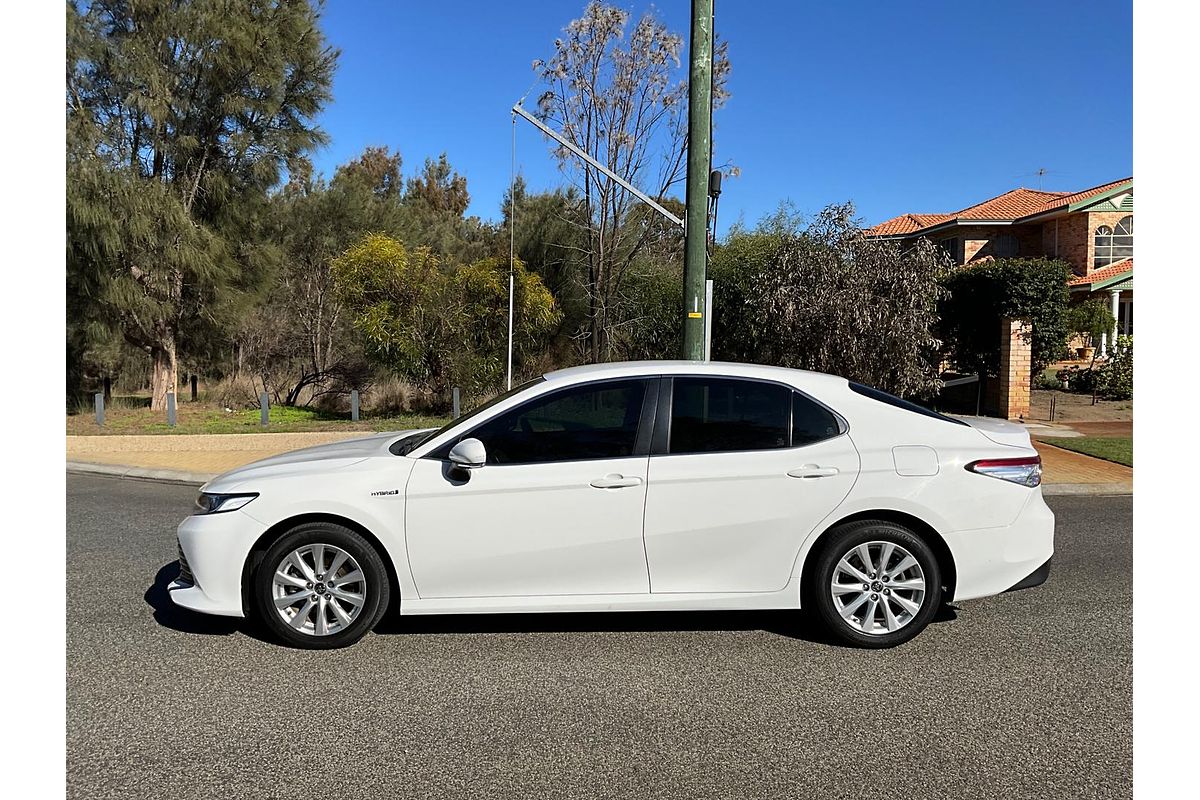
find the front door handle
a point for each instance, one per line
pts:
(615, 481)
(812, 471)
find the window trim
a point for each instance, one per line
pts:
(661, 445)
(642, 438)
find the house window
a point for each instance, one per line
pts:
(1113, 244)
(953, 248)
(1005, 246)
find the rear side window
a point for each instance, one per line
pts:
(711, 415)
(811, 421)
(892, 400)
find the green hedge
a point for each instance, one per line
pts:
(1033, 289)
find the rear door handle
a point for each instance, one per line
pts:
(615, 481)
(812, 471)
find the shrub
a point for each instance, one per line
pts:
(1045, 380)
(1114, 378)
(1020, 288)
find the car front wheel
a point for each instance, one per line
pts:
(876, 584)
(321, 586)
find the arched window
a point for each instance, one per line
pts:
(1113, 244)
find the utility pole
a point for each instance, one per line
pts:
(699, 164)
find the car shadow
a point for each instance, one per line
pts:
(780, 622)
(169, 615)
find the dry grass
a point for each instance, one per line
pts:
(124, 417)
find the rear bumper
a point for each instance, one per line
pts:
(1035, 578)
(990, 561)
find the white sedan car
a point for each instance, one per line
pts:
(632, 487)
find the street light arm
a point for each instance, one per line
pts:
(517, 109)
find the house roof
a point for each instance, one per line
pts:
(907, 223)
(1011, 206)
(1098, 278)
(1070, 199)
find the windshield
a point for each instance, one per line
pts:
(406, 445)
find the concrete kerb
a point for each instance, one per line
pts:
(139, 473)
(1063, 489)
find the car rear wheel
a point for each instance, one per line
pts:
(876, 584)
(321, 586)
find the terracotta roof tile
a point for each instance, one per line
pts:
(1011, 205)
(1103, 274)
(1066, 200)
(907, 223)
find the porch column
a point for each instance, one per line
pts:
(1116, 312)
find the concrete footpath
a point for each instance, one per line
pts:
(196, 459)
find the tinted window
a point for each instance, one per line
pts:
(892, 400)
(722, 414)
(811, 421)
(593, 421)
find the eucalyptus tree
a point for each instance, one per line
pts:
(620, 94)
(180, 116)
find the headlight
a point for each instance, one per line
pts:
(216, 503)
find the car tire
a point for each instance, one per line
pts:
(875, 607)
(302, 606)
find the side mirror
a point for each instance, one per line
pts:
(469, 454)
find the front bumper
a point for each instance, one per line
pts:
(213, 549)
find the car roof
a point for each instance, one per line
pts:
(619, 369)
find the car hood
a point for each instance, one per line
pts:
(306, 461)
(1000, 431)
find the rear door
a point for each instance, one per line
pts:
(740, 473)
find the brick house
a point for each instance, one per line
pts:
(1092, 230)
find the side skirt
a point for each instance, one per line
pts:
(788, 597)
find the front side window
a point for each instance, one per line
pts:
(583, 422)
(724, 414)
(1113, 244)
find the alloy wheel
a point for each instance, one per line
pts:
(877, 587)
(318, 589)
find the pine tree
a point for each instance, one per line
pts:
(181, 114)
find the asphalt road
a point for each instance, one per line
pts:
(1024, 695)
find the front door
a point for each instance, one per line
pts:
(748, 470)
(557, 509)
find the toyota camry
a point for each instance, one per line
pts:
(632, 487)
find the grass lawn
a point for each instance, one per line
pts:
(1118, 449)
(204, 418)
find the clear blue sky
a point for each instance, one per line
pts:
(924, 107)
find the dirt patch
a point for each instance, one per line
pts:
(1071, 408)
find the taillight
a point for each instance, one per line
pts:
(1026, 471)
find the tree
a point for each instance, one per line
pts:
(979, 297)
(619, 98)
(1090, 320)
(826, 297)
(180, 116)
(298, 339)
(439, 327)
(433, 214)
